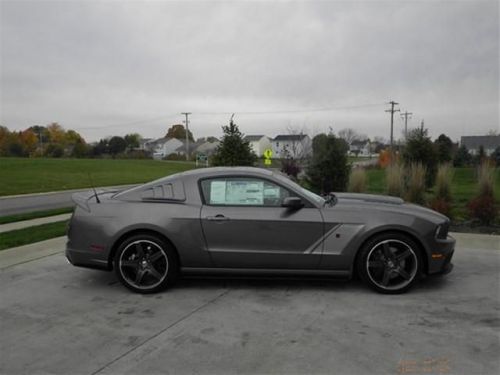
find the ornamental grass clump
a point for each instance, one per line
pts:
(394, 180)
(442, 194)
(415, 189)
(357, 181)
(482, 208)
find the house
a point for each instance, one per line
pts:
(291, 145)
(258, 143)
(163, 147)
(207, 148)
(360, 148)
(474, 142)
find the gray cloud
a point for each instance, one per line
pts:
(111, 68)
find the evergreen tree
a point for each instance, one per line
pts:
(462, 157)
(444, 148)
(233, 150)
(329, 169)
(419, 149)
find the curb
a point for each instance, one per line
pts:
(64, 191)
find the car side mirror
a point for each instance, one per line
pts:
(293, 203)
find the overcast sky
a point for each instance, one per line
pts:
(110, 68)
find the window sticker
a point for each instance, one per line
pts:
(245, 192)
(218, 192)
(272, 192)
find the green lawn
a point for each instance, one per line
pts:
(24, 175)
(29, 235)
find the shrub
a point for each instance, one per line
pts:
(483, 209)
(394, 180)
(415, 190)
(443, 182)
(486, 180)
(442, 206)
(357, 181)
(291, 167)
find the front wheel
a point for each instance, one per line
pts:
(390, 263)
(144, 263)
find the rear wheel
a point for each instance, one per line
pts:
(145, 263)
(390, 263)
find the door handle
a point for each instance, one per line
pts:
(217, 218)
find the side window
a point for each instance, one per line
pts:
(241, 191)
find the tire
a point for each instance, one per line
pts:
(390, 263)
(145, 263)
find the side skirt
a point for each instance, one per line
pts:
(188, 271)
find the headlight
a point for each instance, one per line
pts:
(442, 231)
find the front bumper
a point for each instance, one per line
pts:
(440, 257)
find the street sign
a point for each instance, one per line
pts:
(267, 155)
(202, 158)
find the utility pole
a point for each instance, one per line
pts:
(187, 133)
(392, 110)
(406, 115)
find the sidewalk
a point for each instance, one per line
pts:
(31, 223)
(27, 253)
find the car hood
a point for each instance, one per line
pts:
(372, 202)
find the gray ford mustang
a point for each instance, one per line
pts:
(253, 221)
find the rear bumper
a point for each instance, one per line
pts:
(85, 259)
(441, 255)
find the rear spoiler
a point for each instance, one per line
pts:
(82, 199)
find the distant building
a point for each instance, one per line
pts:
(258, 143)
(360, 148)
(291, 145)
(473, 143)
(207, 148)
(163, 147)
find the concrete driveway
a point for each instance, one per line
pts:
(56, 318)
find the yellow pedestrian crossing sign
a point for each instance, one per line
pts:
(268, 153)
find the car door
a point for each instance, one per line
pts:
(245, 226)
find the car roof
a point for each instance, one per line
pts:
(224, 171)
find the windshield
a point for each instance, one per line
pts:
(309, 194)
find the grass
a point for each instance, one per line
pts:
(29, 235)
(35, 175)
(34, 215)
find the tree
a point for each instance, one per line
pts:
(28, 140)
(444, 148)
(233, 150)
(56, 133)
(179, 131)
(420, 149)
(132, 140)
(329, 169)
(117, 145)
(350, 135)
(462, 157)
(495, 156)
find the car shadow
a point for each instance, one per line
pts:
(99, 279)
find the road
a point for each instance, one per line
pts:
(44, 201)
(64, 320)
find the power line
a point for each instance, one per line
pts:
(284, 111)
(392, 110)
(321, 109)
